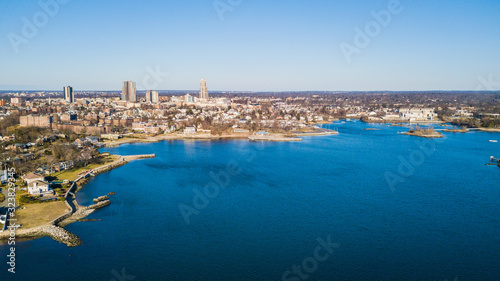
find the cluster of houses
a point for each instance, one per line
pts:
(87, 140)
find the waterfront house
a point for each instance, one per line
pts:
(32, 177)
(261, 133)
(189, 130)
(81, 142)
(110, 136)
(39, 188)
(92, 139)
(417, 114)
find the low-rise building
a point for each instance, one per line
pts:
(189, 130)
(39, 188)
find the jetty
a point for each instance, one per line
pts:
(54, 229)
(494, 162)
(75, 212)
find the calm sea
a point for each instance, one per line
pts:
(363, 205)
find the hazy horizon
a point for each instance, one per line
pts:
(382, 45)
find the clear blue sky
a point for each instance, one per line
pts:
(260, 45)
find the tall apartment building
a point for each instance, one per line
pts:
(129, 91)
(68, 94)
(188, 98)
(152, 96)
(203, 90)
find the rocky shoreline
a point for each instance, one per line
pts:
(208, 136)
(54, 229)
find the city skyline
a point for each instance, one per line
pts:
(253, 46)
(249, 140)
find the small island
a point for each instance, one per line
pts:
(423, 133)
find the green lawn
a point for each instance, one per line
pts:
(72, 174)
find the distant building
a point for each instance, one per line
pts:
(129, 91)
(68, 117)
(189, 130)
(203, 90)
(68, 94)
(417, 114)
(152, 96)
(110, 136)
(189, 98)
(44, 121)
(16, 101)
(2, 102)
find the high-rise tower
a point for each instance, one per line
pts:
(152, 96)
(68, 94)
(203, 90)
(128, 91)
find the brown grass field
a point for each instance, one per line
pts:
(38, 214)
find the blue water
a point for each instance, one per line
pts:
(440, 220)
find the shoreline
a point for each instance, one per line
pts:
(75, 212)
(489, 130)
(55, 228)
(404, 122)
(209, 137)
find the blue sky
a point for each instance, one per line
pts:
(258, 45)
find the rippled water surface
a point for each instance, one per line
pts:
(437, 218)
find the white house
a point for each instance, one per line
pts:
(189, 130)
(39, 188)
(417, 114)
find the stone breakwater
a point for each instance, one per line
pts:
(55, 228)
(99, 199)
(55, 232)
(75, 212)
(83, 212)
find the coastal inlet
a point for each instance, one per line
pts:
(74, 211)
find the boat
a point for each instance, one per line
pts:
(494, 141)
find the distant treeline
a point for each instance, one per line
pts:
(485, 122)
